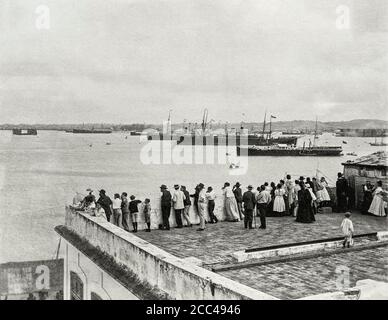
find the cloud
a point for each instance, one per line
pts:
(111, 62)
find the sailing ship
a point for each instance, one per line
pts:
(205, 136)
(379, 144)
(311, 150)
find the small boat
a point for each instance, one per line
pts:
(24, 132)
(344, 142)
(352, 154)
(108, 143)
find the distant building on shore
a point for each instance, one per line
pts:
(362, 132)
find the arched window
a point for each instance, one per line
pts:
(94, 296)
(76, 287)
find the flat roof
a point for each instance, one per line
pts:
(285, 280)
(377, 159)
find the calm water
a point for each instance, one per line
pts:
(40, 174)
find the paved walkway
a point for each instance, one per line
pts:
(218, 241)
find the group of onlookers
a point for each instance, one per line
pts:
(300, 198)
(118, 211)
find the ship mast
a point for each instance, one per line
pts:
(204, 120)
(316, 130)
(265, 117)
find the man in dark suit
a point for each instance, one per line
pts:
(238, 195)
(165, 202)
(106, 203)
(342, 193)
(249, 202)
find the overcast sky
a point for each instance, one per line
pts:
(128, 61)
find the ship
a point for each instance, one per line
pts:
(25, 132)
(204, 136)
(92, 130)
(291, 150)
(232, 139)
(379, 144)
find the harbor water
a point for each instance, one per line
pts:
(40, 174)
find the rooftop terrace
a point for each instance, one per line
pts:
(285, 280)
(186, 264)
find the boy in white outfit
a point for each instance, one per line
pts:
(347, 229)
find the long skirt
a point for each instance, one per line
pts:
(323, 195)
(231, 209)
(377, 206)
(279, 204)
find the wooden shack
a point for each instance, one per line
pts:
(372, 167)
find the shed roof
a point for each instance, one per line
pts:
(376, 159)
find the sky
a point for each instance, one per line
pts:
(126, 61)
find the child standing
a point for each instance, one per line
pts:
(147, 214)
(132, 206)
(347, 229)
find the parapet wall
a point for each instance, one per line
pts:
(179, 279)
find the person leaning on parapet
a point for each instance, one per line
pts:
(178, 199)
(249, 201)
(106, 203)
(133, 209)
(187, 203)
(89, 202)
(125, 211)
(147, 213)
(116, 205)
(165, 202)
(238, 195)
(195, 195)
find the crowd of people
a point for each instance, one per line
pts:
(301, 198)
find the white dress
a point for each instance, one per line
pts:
(377, 206)
(279, 205)
(322, 194)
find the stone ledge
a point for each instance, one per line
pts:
(298, 256)
(157, 267)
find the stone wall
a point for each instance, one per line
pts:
(179, 279)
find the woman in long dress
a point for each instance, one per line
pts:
(272, 189)
(279, 206)
(377, 206)
(230, 205)
(305, 212)
(322, 193)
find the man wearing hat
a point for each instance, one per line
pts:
(238, 195)
(165, 202)
(178, 201)
(105, 203)
(249, 201)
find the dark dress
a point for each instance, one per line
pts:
(368, 197)
(305, 213)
